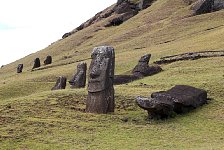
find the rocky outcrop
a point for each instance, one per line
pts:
(178, 99)
(203, 6)
(143, 69)
(218, 5)
(207, 6)
(118, 13)
(144, 4)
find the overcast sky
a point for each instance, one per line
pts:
(27, 26)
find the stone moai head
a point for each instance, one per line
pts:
(81, 67)
(79, 79)
(48, 60)
(101, 70)
(20, 68)
(36, 63)
(145, 58)
(60, 84)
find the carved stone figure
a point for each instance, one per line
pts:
(20, 68)
(143, 68)
(36, 63)
(60, 84)
(48, 60)
(79, 79)
(100, 84)
(144, 4)
(203, 6)
(178, 99)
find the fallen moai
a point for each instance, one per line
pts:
(79, 79)
(178, 99)
(100, 84)
(189, 56)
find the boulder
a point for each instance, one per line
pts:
(79, 79)
(66, 35)
(36, 63)
(143, 68)
(60, 84)
(218, 5)
(178, 99)
(203, 6)
(20, 68)
(144, 4)
(48, 60)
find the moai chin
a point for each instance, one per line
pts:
(79, 79)
(100, 83)
(20, 68)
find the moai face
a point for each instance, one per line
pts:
(101, 69)
(20, 68)
(105, 52)
(82, 67)
(145, 58)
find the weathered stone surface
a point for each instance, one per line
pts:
(115, 22)
(143, 68)
(20, 68)
(79, 79)
(36, 63)
(100, 84)
(178, 99)
(60, 84)
(121, 1)
(122, 79)
(48, 60)
(203, 6)
(218, 5)
(144, 4)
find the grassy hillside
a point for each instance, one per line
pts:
(33, 117)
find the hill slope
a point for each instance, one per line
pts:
(33, 117)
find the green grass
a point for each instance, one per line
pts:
(33, 117)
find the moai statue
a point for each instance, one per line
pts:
(20, 68)
(36, 63)
(60, 84)
(79, 79)
(48, 60)
(143, 69)
(100, 83)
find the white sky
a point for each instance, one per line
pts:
(27, 26)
